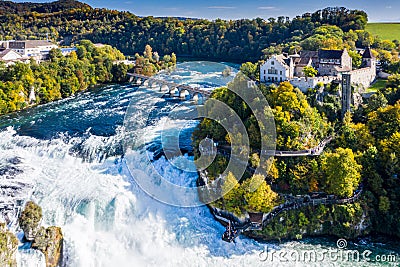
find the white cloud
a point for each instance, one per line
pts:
(389, 7)
(266, 7)
(221, 7)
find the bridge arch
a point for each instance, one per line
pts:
(164, 88)
(184, 94)
(154, 84)
(174, 91)
(198, 97)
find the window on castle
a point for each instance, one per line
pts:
(272, 62)
(272, 71)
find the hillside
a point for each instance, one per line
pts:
(386, 31)
(235, 40)
(9, 7)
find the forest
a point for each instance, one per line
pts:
(233, 40)
(366, 145)
(62, 76)
(364, 153)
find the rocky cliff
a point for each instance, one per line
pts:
(8, 247)
(48, 240)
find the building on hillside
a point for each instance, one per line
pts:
(333, 62)
(9, 57)
(330, 64)
(278, 68)
(98, 45)
(306, 58)
(366, 74)
(37, 49)
(67, 50)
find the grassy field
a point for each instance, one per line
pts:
(389, 31)
(380, 83)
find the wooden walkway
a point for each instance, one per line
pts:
(315, 151)
(296, 203)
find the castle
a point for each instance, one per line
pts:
(330, 64)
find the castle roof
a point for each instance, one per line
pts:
(309, 54)
(283, 60)
(305, 58)
(367, 53)
(331, 54)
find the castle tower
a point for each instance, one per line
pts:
(346, 93)
(368, 59)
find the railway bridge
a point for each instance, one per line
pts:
(173, 89)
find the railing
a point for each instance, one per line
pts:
(294, 203)
(315, 151)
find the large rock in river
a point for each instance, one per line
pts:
(50, 242)
(30, 220)
(8, 247)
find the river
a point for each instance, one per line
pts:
(72, 150)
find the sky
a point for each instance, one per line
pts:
(377, 10)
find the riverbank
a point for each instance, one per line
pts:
(302, 217)
(25, 85)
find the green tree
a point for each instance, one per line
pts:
(55, 54)
(384, 204)
(31, 216)
(249, 69)
(341, 172)
(309, 71)
(173, 58)
(119, 73)
(356, 58)
(232, 194)
(148, 52)
(258, 194)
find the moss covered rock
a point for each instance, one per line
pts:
(50, 242)
(30, 220)
(8, 247)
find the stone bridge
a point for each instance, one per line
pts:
(173, 89)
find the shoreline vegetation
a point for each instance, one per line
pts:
(363, 153)
(366, 146)
(62, 76)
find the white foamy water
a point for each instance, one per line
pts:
(106, 218)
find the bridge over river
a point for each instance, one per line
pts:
(174, 89)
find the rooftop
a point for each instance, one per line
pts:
(367, 53)
(33, 43)
(331, 54)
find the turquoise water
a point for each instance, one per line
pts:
(73, 151)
